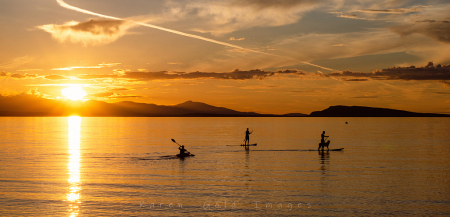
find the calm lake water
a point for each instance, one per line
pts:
(125, 166)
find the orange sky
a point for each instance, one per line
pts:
(251, 55)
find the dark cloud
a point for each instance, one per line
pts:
(428, 72)
(438, 30)
(426, 21)
(392, 11)
(165, 75)
(445, 93)
(262, 4)
(354, 79)
(365, 97)
(301, 91)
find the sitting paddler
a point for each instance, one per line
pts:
(182, 150)
(322, 143)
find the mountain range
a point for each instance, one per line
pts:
(30, 105)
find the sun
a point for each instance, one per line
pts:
(74, 93)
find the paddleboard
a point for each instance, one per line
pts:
(249, 145)
(338, 149)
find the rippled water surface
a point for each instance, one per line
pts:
(126, 166)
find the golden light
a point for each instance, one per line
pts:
(73, 194)
(74, 93)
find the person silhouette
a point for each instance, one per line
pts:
(322, 143)
(247, 137)
(182, 150)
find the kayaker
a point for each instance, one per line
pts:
(247, 137)
(182, 150)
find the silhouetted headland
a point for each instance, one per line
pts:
(30, 105)
(361, 111)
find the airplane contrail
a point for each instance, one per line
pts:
(65, 5)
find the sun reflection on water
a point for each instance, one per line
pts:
(73, 195)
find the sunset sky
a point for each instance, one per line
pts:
(266, 56)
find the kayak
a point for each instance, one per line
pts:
(249, 145)
(338, 149)
(185, 155)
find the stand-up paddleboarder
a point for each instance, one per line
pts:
(247, 137)
(322, 143)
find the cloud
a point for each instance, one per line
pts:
(197, 13)
(354, 79)
(34, 92)
(104, 94)
(320, 46)
(17, 76)
(29, 70)
(165, 75)
(236, 39)
(350, 16)
(365, 97)
(92, 32)
(55, 77)
(445, 93)
(264, 4)
(15, 62)
(99, 66)
(234, 75)
(411, 73)
(438, 30)
(121, 89)
(113, 95)
(392, 11)
(221, 17)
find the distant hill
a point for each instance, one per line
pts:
(295, 115)
(30, 105)
(203, 109)
(361, 111)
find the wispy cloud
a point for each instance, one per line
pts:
(29, 70)
(392, 11)
(99, 66)
(428, 72)
(15, 62)
(199, 14)
(438, 30)
(113, 95)
(351, 16)
(264, 4)
(56, 77)
(92, 32)
(222, 17)
(17, 76)
(236, 39)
